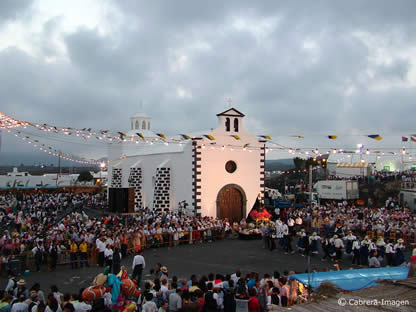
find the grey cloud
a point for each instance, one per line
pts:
(283, 87)
(13, 9)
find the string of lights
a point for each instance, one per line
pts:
(50, 132)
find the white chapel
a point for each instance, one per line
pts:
(217, 173)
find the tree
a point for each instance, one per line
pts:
(85, 176)
(299, 163)
(311, 162)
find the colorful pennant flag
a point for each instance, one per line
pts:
(375, 137)
(235, 137)
(185, 137)
(332, 137)
(122, 135)
(141, 136)
(413, 139)
(404, 139)
(299, 136)
(267, 137)
(246, 145)
(161, 136)
(209, 137)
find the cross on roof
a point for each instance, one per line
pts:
(229, 101)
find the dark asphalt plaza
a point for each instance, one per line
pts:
(216, 257)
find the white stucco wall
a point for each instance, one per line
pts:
(213, 174)
(149, 158)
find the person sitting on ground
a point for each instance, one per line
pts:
(374, 262)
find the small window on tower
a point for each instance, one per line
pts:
(137, 125)
(227, 124)
(235, 124)
(144, 125)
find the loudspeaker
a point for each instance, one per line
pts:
(121, 200)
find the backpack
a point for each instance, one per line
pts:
(275, 299)
(31, 305)
(210, 303)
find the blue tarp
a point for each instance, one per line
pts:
(353, 279)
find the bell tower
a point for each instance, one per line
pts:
(231, 121)
(140, 122)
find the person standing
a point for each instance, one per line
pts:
(53, 255)
(138, 266)
(83, 255)
(37, 251)
(116, 260)
(313, 242)
(101, 248)
(73, 255)
(399, 252)
(390, 254)
(108, 256)
(356, 252)
(287, 239)
(339, 245)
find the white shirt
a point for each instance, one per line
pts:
(19, 307)
(338, 243)
(138, 259)
(149, 306)
(81, 307)
(356, 245)
(235, 278)
(164, 291)
(100, 245)
(108, 253)
(389, 249)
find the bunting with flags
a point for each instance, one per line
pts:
(209, 137)
(246, 145)
(141, 136)
(413, 139)
(332, 137)
(185, 137)
(122, 135)
(299, 136)
(405, 139)
(375, 137)
(235, 137)
(267, 137)
(161, 135)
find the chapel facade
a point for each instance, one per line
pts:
(217, 173)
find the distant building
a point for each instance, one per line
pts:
(347, 165)
(216, 173)
(23, 179)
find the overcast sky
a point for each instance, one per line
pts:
(293, 67)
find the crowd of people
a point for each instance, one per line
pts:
(368, 236)
(165, 293)
(44, 227)
(36, 233)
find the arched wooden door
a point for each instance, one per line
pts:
(230, 203)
